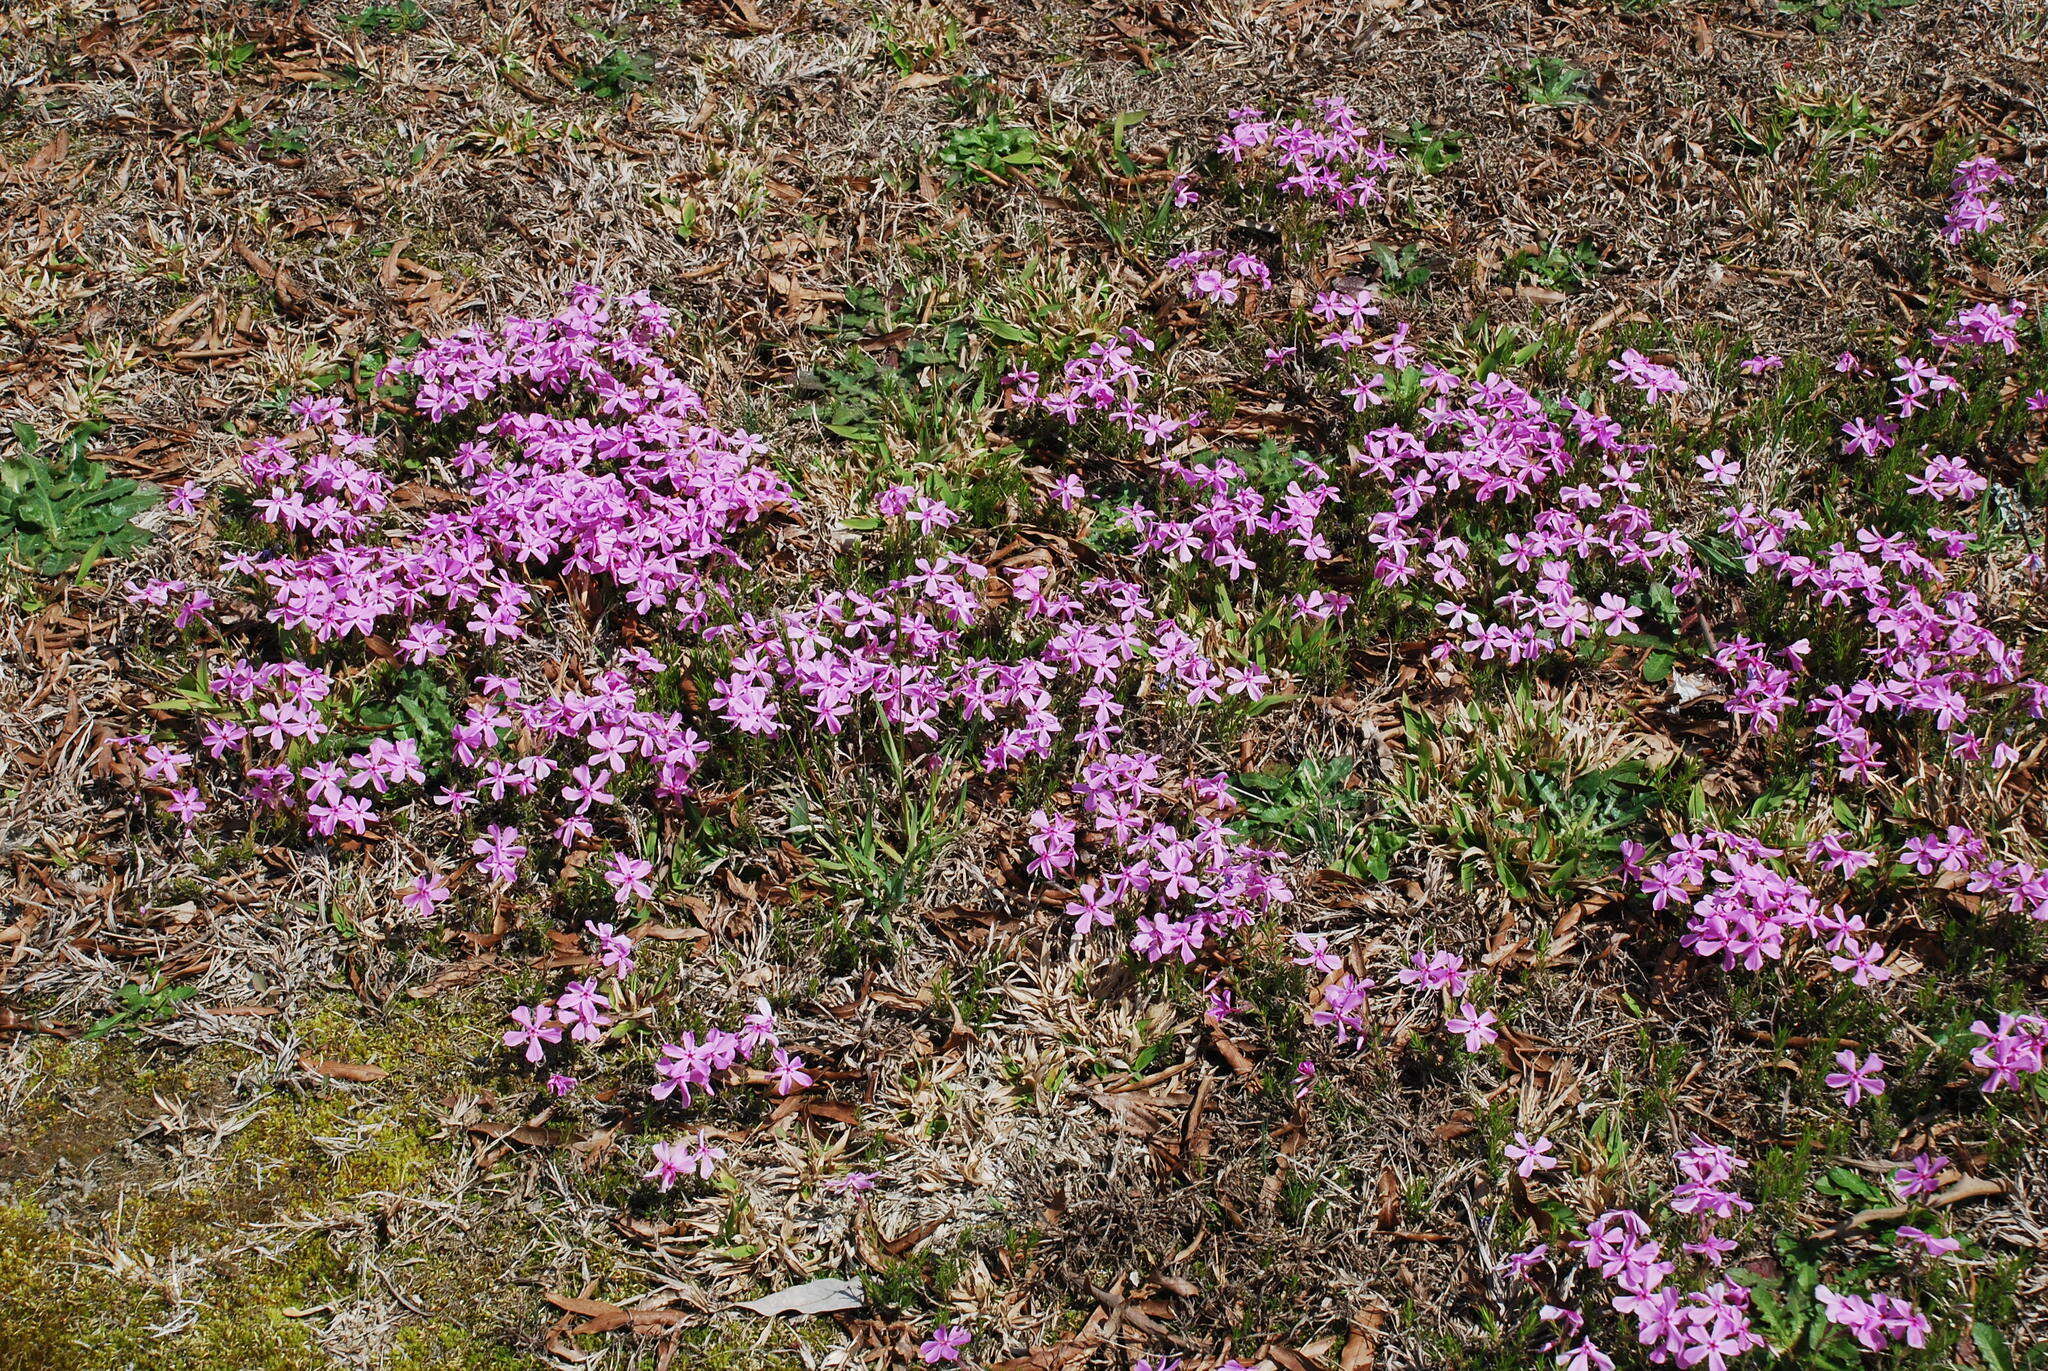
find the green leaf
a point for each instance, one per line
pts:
(1991, 1346)
(56, 516)
(1009, 333)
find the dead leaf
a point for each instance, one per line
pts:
(901, 1246)
(670, 933)
(521, 1133)
(830, 1111)
(462, 974)
(342, 1071)
(1390, 1197)
(307, 220)
(11, 1022)
(962, 1034)
(1232, 1054)
(827, 1295)
(897, 1000)
(49, 155)
(1137, 1113)
(597, 1312)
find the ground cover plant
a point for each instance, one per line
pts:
(1053, 733)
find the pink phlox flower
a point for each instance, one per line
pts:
(615, 949)
(581, 1005)
(944, 1344)
(1920, 1176)
(789, 1073)
(1929, 1243)
(1531, 1157)
(536, 1027)
(1854, 1081)
(1476, 1025)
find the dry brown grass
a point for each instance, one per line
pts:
(167, 272)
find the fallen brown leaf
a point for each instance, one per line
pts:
(342, 1071)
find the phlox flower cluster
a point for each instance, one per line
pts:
(1471, 446)
(1747, 909)
(1327, 158)
(1490, 443)
(1170, 858)
(2013, 1048)
(1709, 1326)
(581, 1013)
(1500, 446)
(643, 503)
(674, 1160)
(645, 498)
(1212, 509)
(1654, 380)
(1498, 519)
(1134, 846)
(1972, 209)
(1875, 1321)
(1342, 996)
(1929, 654)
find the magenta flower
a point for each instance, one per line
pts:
(186, 805)
(1653, 380)
(1587, 1356)
(615, 949)
(788, 1072)
(535, 1026)
(758, 1028)
(1719, 467)
(1616, 616)
(672, 1161)
(1477, 1026)
(499, 852)
(1531, 1157)
(1927, 1242)
(1315, 950)
(428, 891)
(1921, 1176)
(582, 1007)
(1443, 971)
(944, 1344)
(185, 499)
(1855, 1081)
(627, 877)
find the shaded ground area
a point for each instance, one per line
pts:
(297, 1141)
